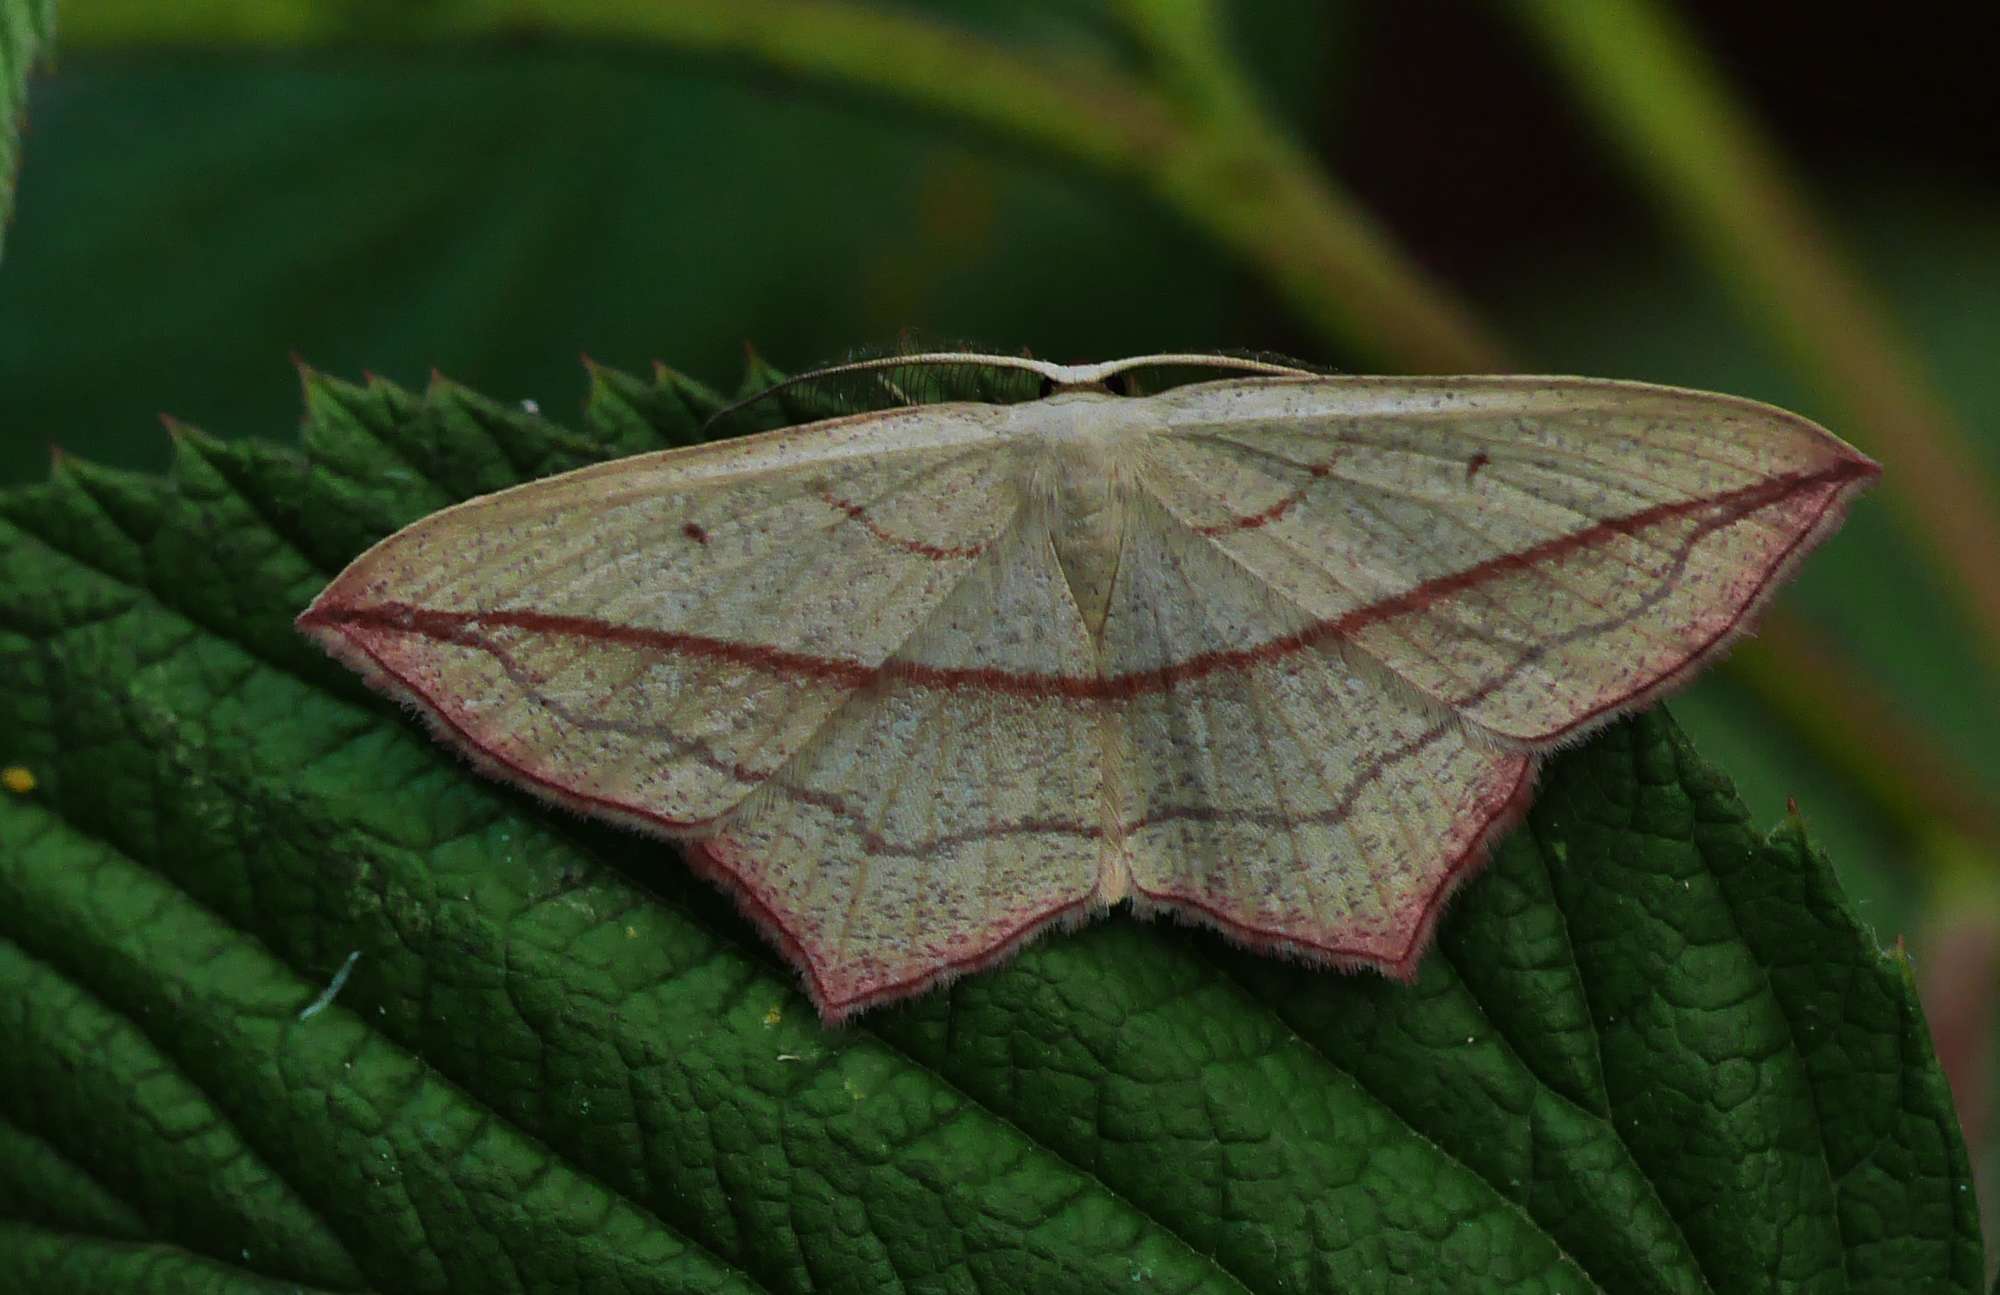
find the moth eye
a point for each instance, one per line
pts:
(1117, 385)
(1048, 388)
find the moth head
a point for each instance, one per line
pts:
(899, 381)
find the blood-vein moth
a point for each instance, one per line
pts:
(1272, 651)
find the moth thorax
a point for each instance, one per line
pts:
(1087, 524)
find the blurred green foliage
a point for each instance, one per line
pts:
(496, 213)
(1643, 311)
(25, 28)
(193, 221)
(188, 221)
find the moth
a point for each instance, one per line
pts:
(1268, 650)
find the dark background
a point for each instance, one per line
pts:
(188, 220)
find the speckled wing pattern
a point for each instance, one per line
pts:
(1276, 654)
(1372, 604)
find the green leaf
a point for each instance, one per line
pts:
(1654, 1050)
(26, 29)
(339, 186)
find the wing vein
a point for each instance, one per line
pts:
(1311, 619)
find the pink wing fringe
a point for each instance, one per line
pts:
(837, 998)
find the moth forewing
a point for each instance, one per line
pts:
(1274, 651)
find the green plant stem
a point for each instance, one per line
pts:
(1234, 177)
(1648, 83)
(1234, 172)
(1231, 172)
(27, 27)
(1906, 778)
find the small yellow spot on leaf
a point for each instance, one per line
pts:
(631, 932)
(19, 779)
(776, 1014)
